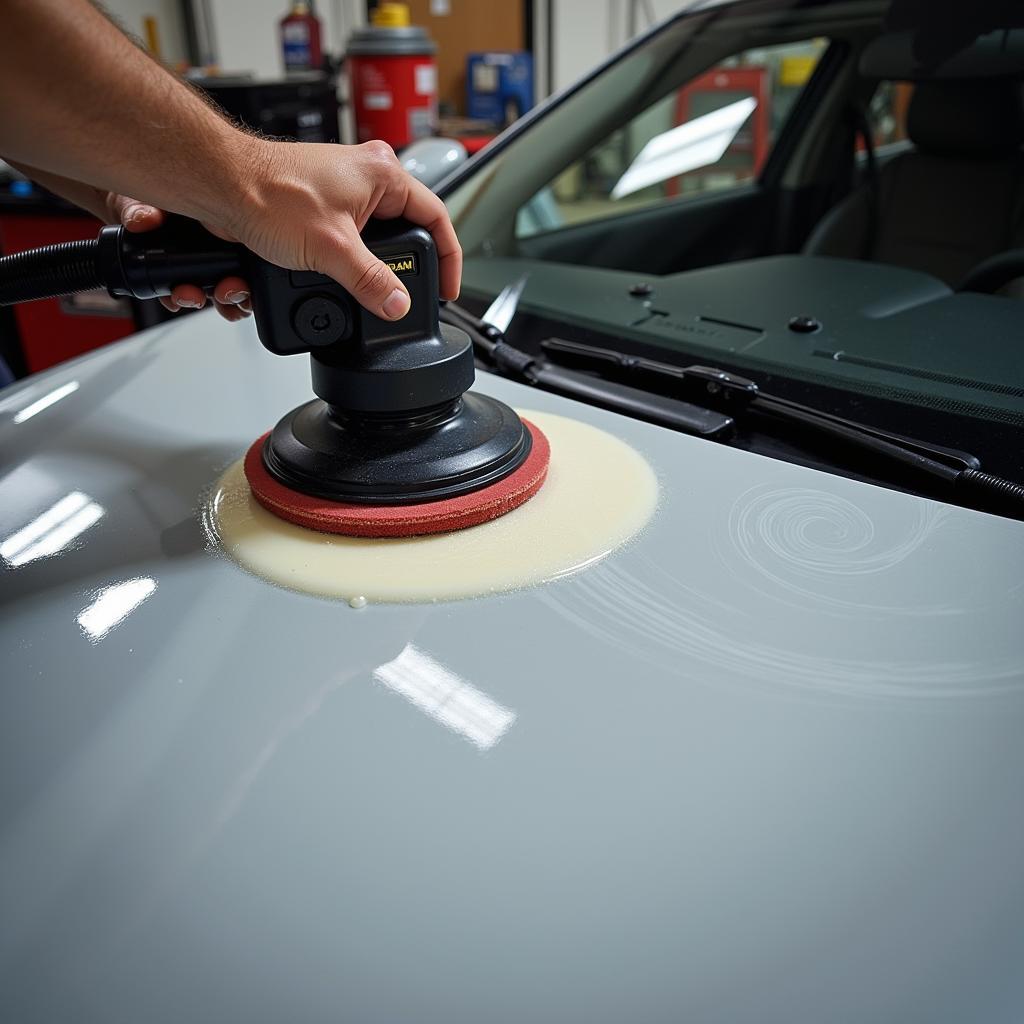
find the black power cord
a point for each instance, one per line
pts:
(61, 269)
(127, 264)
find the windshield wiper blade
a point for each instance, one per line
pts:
(952, 458)
(722, 389)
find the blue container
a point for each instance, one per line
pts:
(499, 85)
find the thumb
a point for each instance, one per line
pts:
(370, 282)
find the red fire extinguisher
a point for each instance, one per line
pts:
(300, 38)
(393, 78)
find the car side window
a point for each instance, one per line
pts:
(714, 133)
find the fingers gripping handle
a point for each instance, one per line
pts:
(301, 311)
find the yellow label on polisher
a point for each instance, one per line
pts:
(403, 265)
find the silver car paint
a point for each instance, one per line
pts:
(762, 765)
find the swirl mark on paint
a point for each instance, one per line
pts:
(807, 544)
(653, 617)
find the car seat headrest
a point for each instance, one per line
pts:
(980, 118)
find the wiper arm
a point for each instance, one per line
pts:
(687, 417)
(722, 389)
(704, 384)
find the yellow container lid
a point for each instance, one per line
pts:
(391, 15)
(796, 70)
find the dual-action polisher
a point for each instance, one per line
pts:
(396, 444)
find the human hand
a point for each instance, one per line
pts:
(303, 205)
(231, 295)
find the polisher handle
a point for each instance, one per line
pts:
(148, 264)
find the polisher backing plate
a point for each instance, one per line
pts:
(352, 520)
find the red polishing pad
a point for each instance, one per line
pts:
(441, 516)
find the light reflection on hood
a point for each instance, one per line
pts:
(446, 697)
(51, 531)
(46, 401)
(113, 605)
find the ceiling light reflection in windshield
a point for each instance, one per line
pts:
(697, 143)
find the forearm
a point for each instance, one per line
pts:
(83, 102)
(64, 68)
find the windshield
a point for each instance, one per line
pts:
(782, 188)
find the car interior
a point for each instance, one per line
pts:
(952, 201)
(946, 198)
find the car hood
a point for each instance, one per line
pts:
(762, 764)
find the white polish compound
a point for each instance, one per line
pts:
(599, 493)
